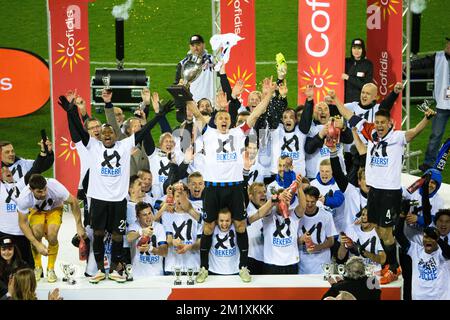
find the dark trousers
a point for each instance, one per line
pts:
(255, 266)
(273, 269)
(406, 264)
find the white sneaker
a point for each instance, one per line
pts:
(244, 273)
(38, 273)
(116, 276)
(99, 276)
(202, 275)
(51, 276)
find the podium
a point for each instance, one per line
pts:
(262, 287)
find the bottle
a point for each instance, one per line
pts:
(333, 135)
(418, 183)
(83, 250)
(349, 244)
(283, 206)
(142, 241)
(308, 243)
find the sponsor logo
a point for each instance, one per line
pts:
(69, 150)
(379, 162)
(22, 71)
(244, 76)
(321, 78)
(238, 24)
(281, 242)
(225, 252)
(320, 23)
(70, 49)
(380, 9)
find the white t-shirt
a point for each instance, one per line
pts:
(265, 152)
(313, 160)
(291, 144)
(159, 167)
(430, 275)
(9, 192)
(56, 195)
(147, 264)
(224, 253)
(384, 159)
(436, 202)
(109, 169)
(20, 168)
(255, 235)
(338, 213)
(223, 155)
(353, 203)
(183, 226)
(368, 240)
(320, 226)
(84, 156)
(280, 239)
(256, 173)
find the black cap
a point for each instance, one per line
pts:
(196, 38)
(6, 242)
(76, 240)
(431, 232)
(358, 43)
(447, 38)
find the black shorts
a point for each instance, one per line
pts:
(383, 206)
(108, 215)
(216, 198)
(274, 269)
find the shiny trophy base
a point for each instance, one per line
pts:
(180, 92)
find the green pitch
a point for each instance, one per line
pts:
(158, 32)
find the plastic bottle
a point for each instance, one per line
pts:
(83, 250)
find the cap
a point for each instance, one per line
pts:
(76, 240)
(196, 38)
(6, 242)
(357, 43)
(447, 38)
(431, 232)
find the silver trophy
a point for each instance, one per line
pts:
(341, 269)
(69, 271)
(190, 273)
(107, 82)
(326, 267)
(370, 269)
(190, 71)
(424, 106)
(177, 272)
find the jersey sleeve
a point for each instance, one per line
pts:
(161, 237)
(401, 137)
(59, 189)
(23, 205)
(330, 228)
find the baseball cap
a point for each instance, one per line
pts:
(357, 43)
(6, 242)
(447, 38)
(432, 232)
(196, 38)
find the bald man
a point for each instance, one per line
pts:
(366, 108)
(367, 105)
